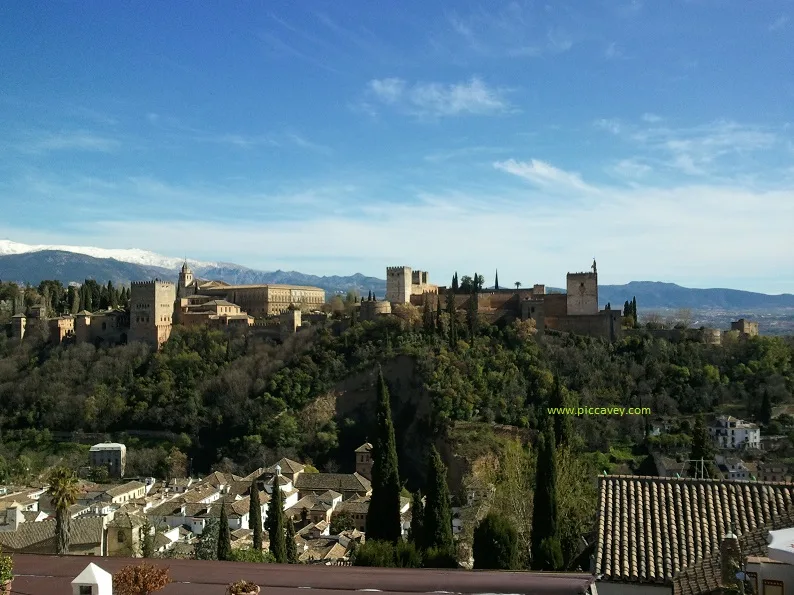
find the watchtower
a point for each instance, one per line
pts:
(582, 290)
(398, 285)
(151, 311)
(364, 460)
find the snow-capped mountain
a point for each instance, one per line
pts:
(132, 255)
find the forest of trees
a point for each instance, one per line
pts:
(60, 300)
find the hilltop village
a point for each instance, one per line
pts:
(155, 306)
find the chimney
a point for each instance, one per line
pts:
(730, 560)
(278, 470)
(99, 581)
(14, 516)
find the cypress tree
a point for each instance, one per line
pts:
(113, 298)
(255, 517)
(292, 547)
(369, 296)
(224, 535)
(438, 512)
(546, 548)
(701, 449)
(766, 408)
(439, 325)
(427, 317)
(626, 308)
(455, 282)
(74, 300)
(634, 309)
(562, 423)
(496, 281)
(471, 315)
(416, 532)
(383, 517)
(453, 322)
(275, 524)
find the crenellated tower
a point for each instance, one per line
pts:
(151, 311)
(398, 285)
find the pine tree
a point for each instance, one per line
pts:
(701, 450)
(416, 532)
(292, 547)
(383, 517)
(546, 548)
(224, 535)
(438, 513)
(255, 516)
(275, 524)
(562, 423)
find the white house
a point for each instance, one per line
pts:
(732, 467)
(729, 432)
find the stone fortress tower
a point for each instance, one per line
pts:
(403, 282)
(151, 311)
(582, 293)
(398, 284)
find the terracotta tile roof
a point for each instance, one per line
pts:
(366, 447)
(287, 466)
(85, 531)
(704, 577)
(354, 506)
(127, 521)
(124, 488)
(649, 528)
(338, 482)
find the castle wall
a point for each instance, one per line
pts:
(555, 304)
(60, 328)
(582, 294)
(370, 310)
(606, 324)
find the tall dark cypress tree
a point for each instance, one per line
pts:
(562, 423)
(765, 415)
(455, 282)
(383, 517)
(471, 315)
(113, 298)
(73, 298)
(701, 450)
(634, 309)
(452, 333)
(438, 512)
(224, 535)
(427, 316)
(275, 524)
(546, 548)
(291, 546)
(496, 281)
(439, 325)
(417, 534)
(255, 516)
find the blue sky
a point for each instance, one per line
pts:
(340, 137)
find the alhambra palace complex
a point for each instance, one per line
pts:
(155, 306)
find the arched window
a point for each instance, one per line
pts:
(120, 536)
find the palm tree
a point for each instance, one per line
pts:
(518, 284)
(63, 492)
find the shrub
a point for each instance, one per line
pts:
(440, 558)
(242, 588)
(252, 555)
(495, 544)
(140, 579)
(406, 555)
(375, 553)
(6, 568)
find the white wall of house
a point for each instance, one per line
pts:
(774, 571)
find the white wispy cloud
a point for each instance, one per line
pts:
(78, 140)
(516, 29)
(545, 175)
(651, 118)
(694, 150)
(609, 124)
(631, 168)
(779, 23)
(559, 235)
(440, 99)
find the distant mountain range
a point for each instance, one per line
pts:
(32, 264)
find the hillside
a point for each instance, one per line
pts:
(655, 294)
